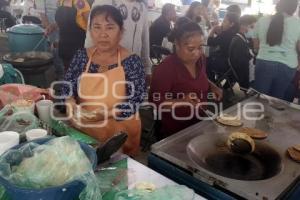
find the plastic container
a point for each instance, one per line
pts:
(67, 191)
(23, 105)
(24, 37)
(19, 122)
(35, 134)
(8, 139)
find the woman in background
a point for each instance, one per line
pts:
(198, 13)
(277, 39)
(241, 56)
(71, 20)
(220, 37)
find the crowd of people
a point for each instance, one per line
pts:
(243, 48)
(208, 56)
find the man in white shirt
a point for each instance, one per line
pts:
(136, 33)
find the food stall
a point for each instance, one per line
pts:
(198, 156)
(64, 163)
(123, 178)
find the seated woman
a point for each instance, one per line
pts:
(108, 83)
(220, 37)
(179, 84)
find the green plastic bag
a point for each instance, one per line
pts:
(175, 192)
(10, 74)
(61, 129)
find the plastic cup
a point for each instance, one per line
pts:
(8, 139)
(44, 109)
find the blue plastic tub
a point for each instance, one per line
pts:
(67, 191)
(24, 37)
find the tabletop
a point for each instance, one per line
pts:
(134, 173)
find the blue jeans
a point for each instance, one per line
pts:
(273, 78)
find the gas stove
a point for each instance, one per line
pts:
(267, 173)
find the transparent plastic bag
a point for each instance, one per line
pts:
(112, 180)
(55, 163)
(175, 192)
(19, 122)
(2, 192)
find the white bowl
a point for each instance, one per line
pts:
(35, 134)
(8, 139)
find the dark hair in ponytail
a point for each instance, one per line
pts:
(179, 23)
(190, 12)
(276, 28)
(187, 30)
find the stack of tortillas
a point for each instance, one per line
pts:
(254, 133)
(294, 152)
(229, 120)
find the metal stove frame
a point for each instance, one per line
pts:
(284, 129)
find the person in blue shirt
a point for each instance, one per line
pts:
(277, 39)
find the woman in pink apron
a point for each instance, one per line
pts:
(108, 83)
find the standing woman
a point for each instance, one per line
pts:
(198, 13)
(71, 18)
(220, 38)
(277, 39)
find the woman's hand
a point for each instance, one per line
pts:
(91, 116)
(216, 90)
(50, 29)
(192, 99)
(188, 98)
(216, 30)
(82, 116)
